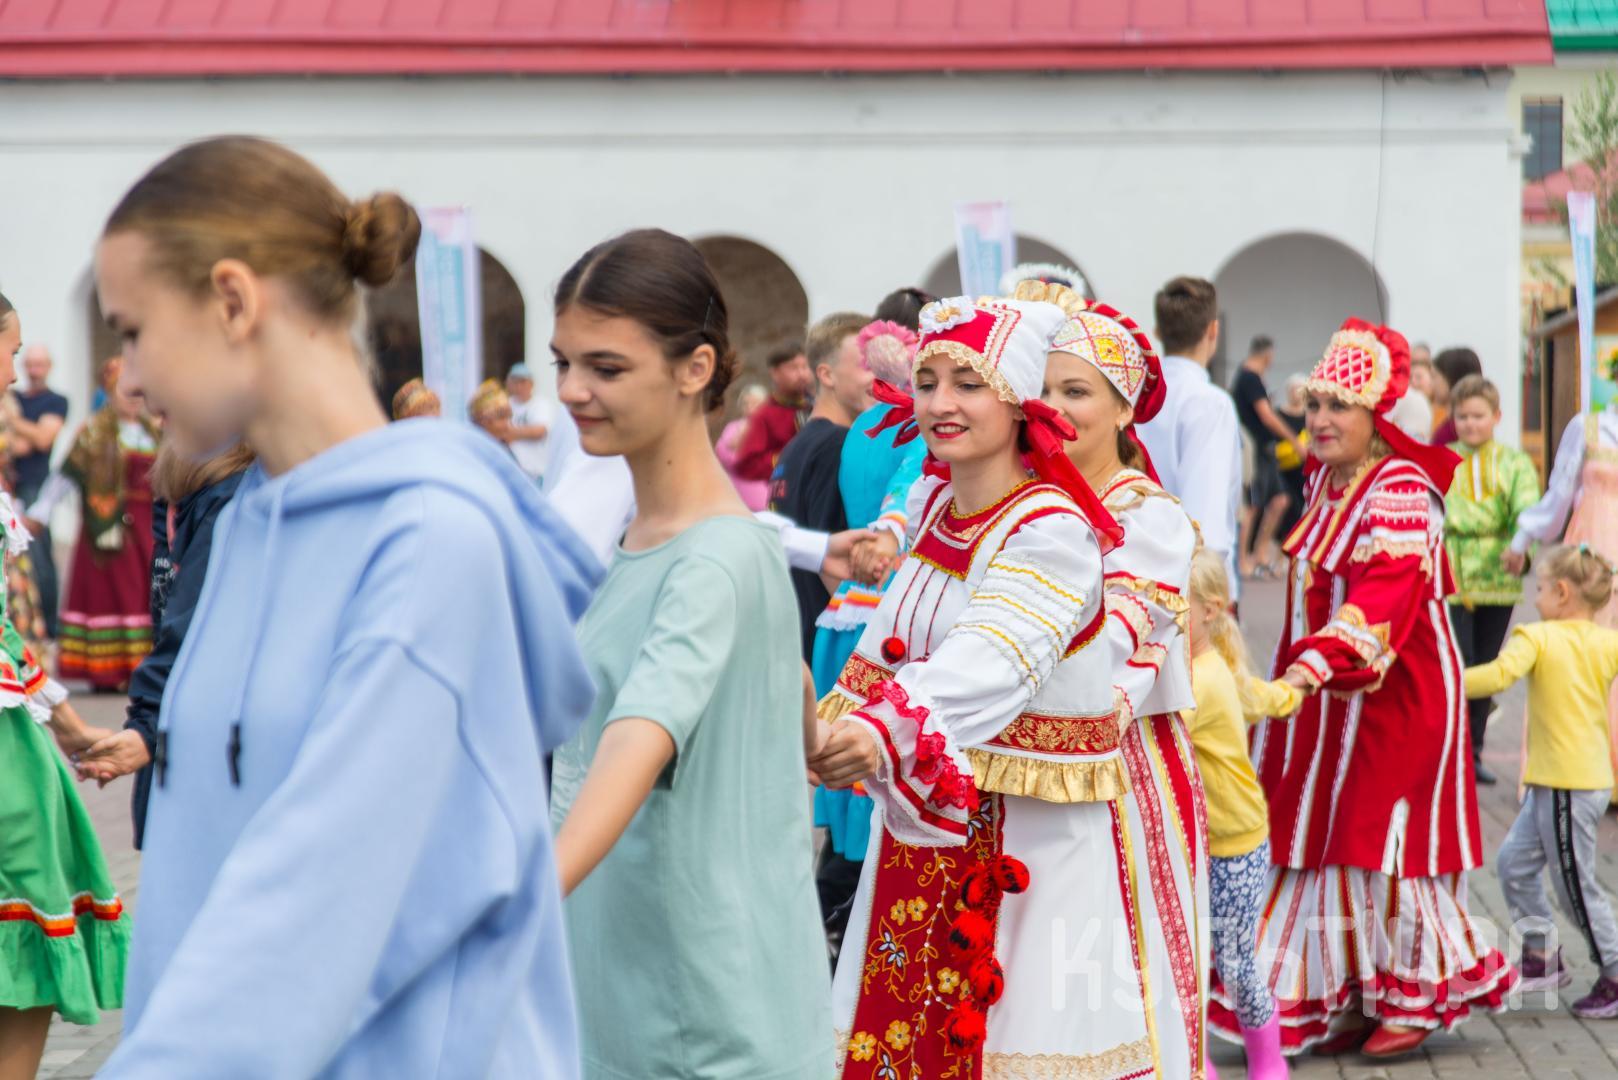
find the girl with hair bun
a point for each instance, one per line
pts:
(347, 863)
(696, 953)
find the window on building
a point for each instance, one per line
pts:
(1542, 122)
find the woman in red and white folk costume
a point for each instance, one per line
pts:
(1104, 376)
(978, 711)
(1373, 815)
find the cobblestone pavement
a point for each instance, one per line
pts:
(1533, 1039)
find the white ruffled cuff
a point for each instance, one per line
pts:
(40, 704)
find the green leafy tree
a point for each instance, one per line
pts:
(1593, 139)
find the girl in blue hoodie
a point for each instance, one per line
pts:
(347, 868)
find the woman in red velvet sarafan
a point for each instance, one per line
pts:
(106, 616)
(1366, 935)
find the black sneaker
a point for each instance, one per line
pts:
(1483, 774)
(1541, 972)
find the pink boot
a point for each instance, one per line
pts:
(1264, 1060)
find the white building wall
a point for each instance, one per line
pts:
(850, 180)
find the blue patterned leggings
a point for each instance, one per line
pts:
(1236, 895)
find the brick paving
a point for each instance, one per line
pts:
(1535, 1038)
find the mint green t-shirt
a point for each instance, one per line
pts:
(696, 944)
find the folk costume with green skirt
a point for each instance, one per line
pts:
(64, 932)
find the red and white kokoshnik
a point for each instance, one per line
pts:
(1008, 848)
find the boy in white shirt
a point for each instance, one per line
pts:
(530, 422)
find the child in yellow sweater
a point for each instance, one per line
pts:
(1238, 819)
(1571, 664)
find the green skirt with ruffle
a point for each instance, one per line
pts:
(64, 933)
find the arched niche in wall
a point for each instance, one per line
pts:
(765, 300)
(104, 345)
(1295, 288)
(944, 278)
(393, 324)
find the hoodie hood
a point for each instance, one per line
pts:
(541, 552)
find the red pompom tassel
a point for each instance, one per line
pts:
(972, 933)
(1011, 875)
(988, 980)
(965, 1029)
(893, 650)
(978, 889)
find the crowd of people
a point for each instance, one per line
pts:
(524, 775)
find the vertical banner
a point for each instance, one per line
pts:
(1581, 223)
(448, 294)
(985, 246)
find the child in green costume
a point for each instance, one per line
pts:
(1493, 485)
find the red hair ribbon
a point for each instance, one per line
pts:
(902, 414)
(1047, 431)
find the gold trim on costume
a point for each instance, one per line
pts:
(1048, 734)
(834, 706)
(1103, 1066)
(1155, 591)
(970, 357)
(1142, 954)
(1049, 781)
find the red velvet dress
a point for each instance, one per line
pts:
(106, 620)
(1373, 813)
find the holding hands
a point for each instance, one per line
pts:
(875, 558)
(1514, 562)
(118, 754)
(97, 754)
(848, 755)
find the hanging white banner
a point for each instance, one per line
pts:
(449, 297)
(985, 246)
(1581, 223)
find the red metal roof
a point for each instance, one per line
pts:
(1544, 199)
(78, 38)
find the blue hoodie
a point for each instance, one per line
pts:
(348, 868)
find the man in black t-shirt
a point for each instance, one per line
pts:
(1267, 497)
(804, 484)
(33, 434)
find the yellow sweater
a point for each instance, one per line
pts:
(1238, 819)
(1570, 664)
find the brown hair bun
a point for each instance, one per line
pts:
(379, 237)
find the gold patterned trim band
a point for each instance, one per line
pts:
(1049, 781)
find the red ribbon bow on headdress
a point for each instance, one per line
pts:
(902, 415)
(1047, 430)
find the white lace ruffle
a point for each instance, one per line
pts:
(17, 535)
(39, 705)
(846, 617)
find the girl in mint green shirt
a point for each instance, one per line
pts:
(682, 804)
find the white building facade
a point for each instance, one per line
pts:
(1306, 196)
